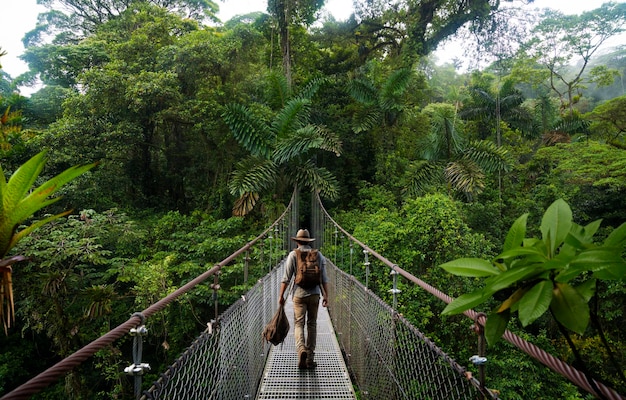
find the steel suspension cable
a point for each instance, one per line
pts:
(52, 374)
(574, 375)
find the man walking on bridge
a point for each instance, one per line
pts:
(309, 267)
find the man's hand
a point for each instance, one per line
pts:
(282, 300)
(324, 302)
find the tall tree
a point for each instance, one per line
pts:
(559, 40)
(151, 111)
(289, 14)
(417, 25)
(72, 20)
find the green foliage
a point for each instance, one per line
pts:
(281, 151)
(68, 293)
(18, 202)
(449, 157)
(433, 226)
(558, 39)
(543, 273)
(176, 110)
(590, 176)
(609, 120)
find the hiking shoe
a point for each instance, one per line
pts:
(302, 360)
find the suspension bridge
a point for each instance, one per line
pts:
(365, 346)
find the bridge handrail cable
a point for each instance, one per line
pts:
(574, 375)
(52, 374)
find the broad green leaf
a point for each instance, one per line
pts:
(617, 238)
(534, 252)
(577, 240)
(517, 232)
(556, 224)
(496, 326)
(531, 242)
(570, 308)
(18, 204)
(591, 229)
(510, 277)
(614, 273)
(587, 289)
(474, 267)
(558, 263)
(535, 302)
(466, 301)
(595, 260)
(21, 181)
(514, 298)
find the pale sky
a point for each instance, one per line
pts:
(20, 16)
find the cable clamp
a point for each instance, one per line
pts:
(137, 369)
(139, 331)
(478, 360)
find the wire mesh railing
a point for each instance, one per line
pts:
(388, 357)
(227, 360)
(333, 234)
(277, 238)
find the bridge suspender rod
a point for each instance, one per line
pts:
(571, 373)
(52, 374)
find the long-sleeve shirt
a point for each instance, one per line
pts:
(290, 269)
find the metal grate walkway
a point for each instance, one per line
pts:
(282, 379)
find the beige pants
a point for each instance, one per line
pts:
(305, 310)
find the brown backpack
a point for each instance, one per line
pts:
(308, 271)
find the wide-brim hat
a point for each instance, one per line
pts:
(303, 236)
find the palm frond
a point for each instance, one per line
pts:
(245, 203)
(253, 174)
(279, 90)
(310, 89)
(488, 156)
(446, 136)
(421, 174)
(465, 176)
(251, 132)
(297, 144)
(305, 139)
(396, 84)
(363, 91)
(331, 141)
(482, 105)
(482, 97)
(317, 179)
(366, 119)
(511, 100)
(293, 116)
(572, 125)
